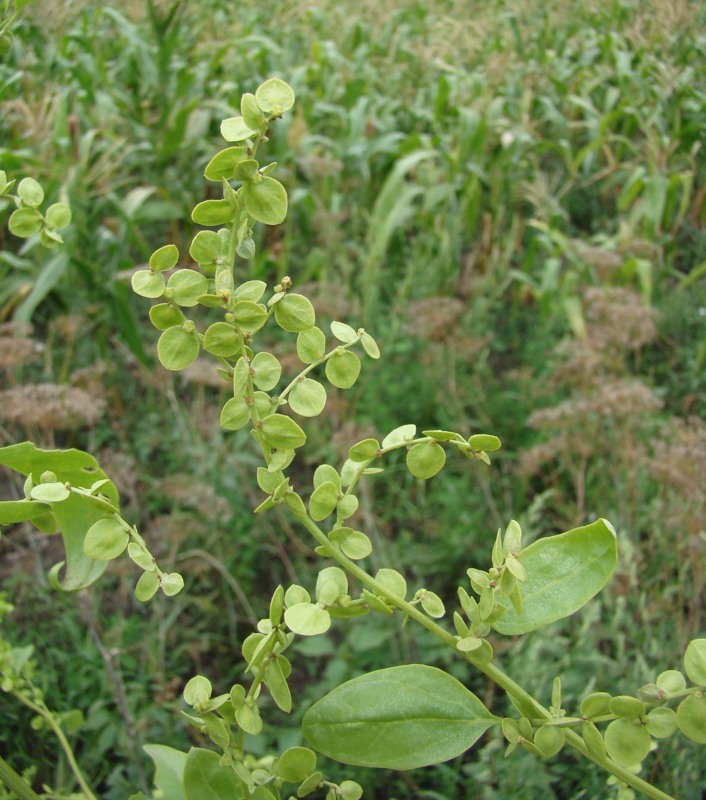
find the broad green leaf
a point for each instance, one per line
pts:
(221, 339)
(164, 316)
(397, 718)
(234, 129)
(691, 718)
(197, 690)
(342, 369)
(626, 706)
(426, 459)
(308, 398)
(627, 741)
(249, 316)
(177, 348)
(296, 764)
(596, 704)
(671, 681)
(12, 511)
(213, 212)
(661, 722)
(266, 371)
(370, 345)
(169, 775)
(323, 500)
(30, 192)
(295, 313)
(187, 286)
(331, 583)
(484, 441)
(564, 573)
(223, 164)
(401, 435)
(164, 258)
(250, 290)
(275, 97)
(307, 619)
(205, 778)
(148, 284)
(593, 739)
(393, 581)
(325, 472)
(251, 111)
(695, 661)
(24, 222)
(364, 451)
(356, 545)
(344, 333)
(235, 414)
(433, 604)
(265, 201)
(172, 584)
(58, 216)
(310, 784)
(549, 740)
(54, 492)
(105, 540)
(277, 684)
(143, 559)
(73, 516)
(311, 345)
(146, 586)
(282, 432)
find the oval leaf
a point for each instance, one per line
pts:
(295, 313)
(424, 460)
(105, 540)
(342, 369)
(308, 398)
(177, 348)
(307, 619)
(563, 573)
(398, 718)
(265, 201)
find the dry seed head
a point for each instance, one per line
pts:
(49, 406)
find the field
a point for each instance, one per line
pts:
(511, 198)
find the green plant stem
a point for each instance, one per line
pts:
(14, 782)
(490, 670)
(48, 717)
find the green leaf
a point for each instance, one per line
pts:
(234, 129)
(593, 739)
(235, 414)
(311, 345)
(221, 339)
(295, 313)
(58, 216)
(393, 581)
(627, 741)
(342, 369)
(344, 333)
(169, 775)
(275, 97)
(308, 398)
(426, 459)
(307, 619)
(30, 192)
(282, 432)
(187, 286)
(401, 435)
(661, 722)
(249, 316)
(691, 718)
(564, 573)
(172, 584)
(142, 558)
(197, 690)
(370, 345)
(485, 442)
(671, 681)
(13, 511)
(433, 604)
(355, 545)
(148, 284)
(296, 764)
(265, 201)
(177, 348)
(398, 718)
(105, 540)
(213, 212)
(323, 500)
(205, 778)
(267, 371)
(695, 661)
(250, 290)
(364, 451)
(164, 258)
(549, 739)
(626, 706)
(223, 164)
(147, 586)
(252, 114)
(164, 316)
(277, 684)
(24, 222)
(73, 516)
(53, 492)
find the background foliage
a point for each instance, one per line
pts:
(509, 196)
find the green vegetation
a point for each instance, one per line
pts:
(512, 201)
